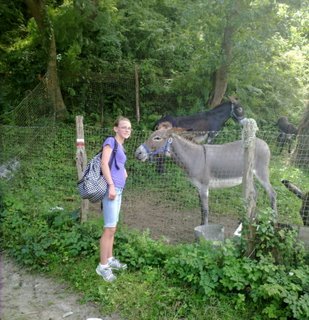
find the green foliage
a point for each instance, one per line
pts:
(280, 241)
(39, 241)
(140, 250)
(279, 290)
(178, 47)
(164, 274)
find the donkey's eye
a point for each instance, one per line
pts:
(157, 138)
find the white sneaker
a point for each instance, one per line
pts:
(116, 264)
(106, 273)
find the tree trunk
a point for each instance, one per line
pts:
(53, 86)
(221, 74)
(220, 86)
(38, 11)
(301, 153)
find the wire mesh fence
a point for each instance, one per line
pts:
(163, 202)
(34, 109)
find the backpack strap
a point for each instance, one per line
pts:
(113, 156)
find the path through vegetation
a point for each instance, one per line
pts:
(27, 296)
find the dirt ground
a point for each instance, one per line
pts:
(26, 296)
(162, 221)
(171, 222)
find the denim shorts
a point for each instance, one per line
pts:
(111, 209)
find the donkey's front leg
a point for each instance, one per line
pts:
(204, 206)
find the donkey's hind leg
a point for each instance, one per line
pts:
(273, 198)
(203, 195)
(264, 180)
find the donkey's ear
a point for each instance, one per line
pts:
(164, 125)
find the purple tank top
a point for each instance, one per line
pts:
(118, 176)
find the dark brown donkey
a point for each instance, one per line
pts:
(208, 123)
(204, 126)
(288, 133)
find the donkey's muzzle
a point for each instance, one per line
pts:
(141, 153)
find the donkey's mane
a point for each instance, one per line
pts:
(186, 141)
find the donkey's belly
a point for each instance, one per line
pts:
(224, 183)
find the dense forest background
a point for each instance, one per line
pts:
(96, 57)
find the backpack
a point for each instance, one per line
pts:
(93, 185)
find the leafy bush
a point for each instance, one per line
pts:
(278, 288)
(39, 241)
(261, 283)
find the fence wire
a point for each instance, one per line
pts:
(34, 110)
(159, 200)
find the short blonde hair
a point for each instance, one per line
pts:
(120, 118)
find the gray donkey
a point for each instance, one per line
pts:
(209, 166)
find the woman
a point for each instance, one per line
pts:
(116, 176)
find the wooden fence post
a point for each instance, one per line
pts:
(137, 106)
(81, 162)
(248, 137)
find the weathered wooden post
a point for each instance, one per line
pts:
(137, 107)
(81, 162)
(248, 137)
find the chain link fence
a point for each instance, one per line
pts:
(37, 158)
(40, 161)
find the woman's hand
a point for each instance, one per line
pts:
(111, 192)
